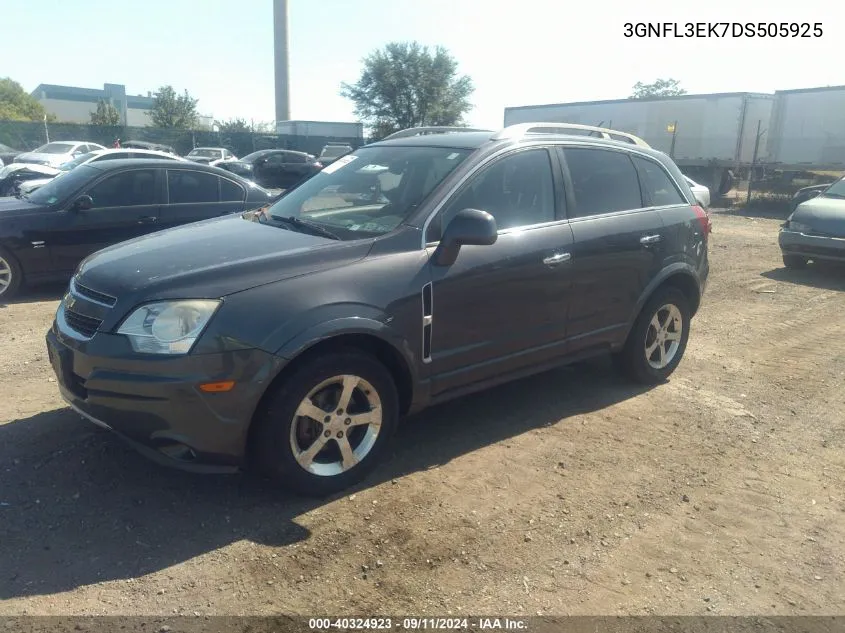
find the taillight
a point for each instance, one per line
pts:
(704, 220)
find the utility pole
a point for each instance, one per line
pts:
(673, 128)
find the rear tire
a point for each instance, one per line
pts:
(658, 338)
(11, 276)
(794, 261)
(318, 457)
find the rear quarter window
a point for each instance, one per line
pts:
(658, 186)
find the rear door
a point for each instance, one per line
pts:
(193, 195)
(126, 205)
(270, 170)
(618, 243)
(295, 168)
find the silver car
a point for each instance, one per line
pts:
(58, 152)
(816, 229)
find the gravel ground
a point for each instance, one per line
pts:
(571, 492)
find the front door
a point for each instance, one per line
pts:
(501, 307)
(125, 205)
(618, 244)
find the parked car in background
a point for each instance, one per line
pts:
(294, 338)
(12, 176)
(274, 168)
(701, 193)
(8, 154)
(210, 155)
(44, 235)
(94, 157)
(815, 230)
(56, 153)
(145, 145)
(807, 193)
(332, 151)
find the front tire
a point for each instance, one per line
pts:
(326, 426)
(658, 339)
(10, 276)
(794, 261)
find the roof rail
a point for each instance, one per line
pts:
(521, 129)
(438, 129)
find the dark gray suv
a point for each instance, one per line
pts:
(414, 270)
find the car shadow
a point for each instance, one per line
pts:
(823, 275)
(759, 212)
(79, 507)
(47, 292)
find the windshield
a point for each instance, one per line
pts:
(206, 153)
(836, 190)
(67, 166)
(58, 189)
(370, 192)
(335, 151)
(54, 148)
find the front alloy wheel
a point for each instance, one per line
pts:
(325, 426)
(10, 276)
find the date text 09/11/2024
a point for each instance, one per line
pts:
(417, 624)
(723, 29)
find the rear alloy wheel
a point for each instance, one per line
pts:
(794, 261)
(10, 276)
(327, 425)
(658, 339)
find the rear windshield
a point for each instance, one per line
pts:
(333, 151)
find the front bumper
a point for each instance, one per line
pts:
(811, 246)
(156, 404)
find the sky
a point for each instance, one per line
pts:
(517, 52)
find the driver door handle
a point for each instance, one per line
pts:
(557, 258)
(147, 219)
(647, 240)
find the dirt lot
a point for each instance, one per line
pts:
(568, 493)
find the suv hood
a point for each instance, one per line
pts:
(213, 258)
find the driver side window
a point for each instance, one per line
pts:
(517, 190)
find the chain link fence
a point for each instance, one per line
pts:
(27, 135)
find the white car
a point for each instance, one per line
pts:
(58, 152)
(701, 193)
(211, 155)
(91, 157)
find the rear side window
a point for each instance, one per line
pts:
(230, 191)
(290, 157)
(658, 187)
(192, 186)
(603, 181)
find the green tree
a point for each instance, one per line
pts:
(407, 85)
(660, 88)
(173, 111)
(234, 126)
(17, 105)
(106, 114)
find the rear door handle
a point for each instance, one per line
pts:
(147, 219)
(557, 258)
(648, 240)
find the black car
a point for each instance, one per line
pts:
(8, 154)
(44, 235)
(274, 168)
(294, 337)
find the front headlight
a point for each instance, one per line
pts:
(168, 327)
(799, 227)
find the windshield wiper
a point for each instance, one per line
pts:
(309, 227)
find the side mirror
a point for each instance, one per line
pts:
(469, 227)
(83, 203)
